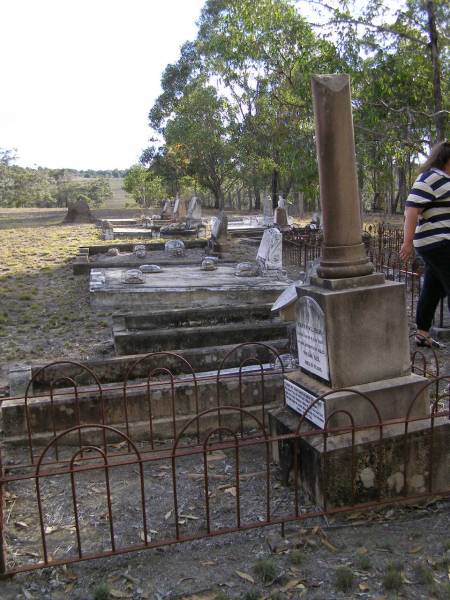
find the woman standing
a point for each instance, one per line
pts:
(427, 227)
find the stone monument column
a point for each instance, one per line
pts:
(344, 253)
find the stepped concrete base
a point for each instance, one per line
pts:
(62, 412)
(116, 369)
(392, 399)
(179, 287)
(325, 474)
(157, 340)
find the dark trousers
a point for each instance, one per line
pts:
(436, 283)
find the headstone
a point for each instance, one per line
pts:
(247, 269)
(281, 218)
(267, 211)
(270, 250)
(194, 212)
(79, 212)
(315, 221)
(174, 248)
(176, 208)
(312, 338)
(220, 227)
(164, 209)
(133, 276)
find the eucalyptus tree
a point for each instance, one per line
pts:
(143, 185)
(265, 54)
(200, 135)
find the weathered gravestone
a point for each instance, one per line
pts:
(281, 218)
(270, 250)
(267, 211)
(174, 248)
(194, 212)
(79, 212)
(220, 227)
(164, 210)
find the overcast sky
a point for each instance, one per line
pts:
(78, 77)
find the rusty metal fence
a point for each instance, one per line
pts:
(92, 476)
(383, 243)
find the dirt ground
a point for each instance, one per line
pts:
(45, 315)
(397, 553)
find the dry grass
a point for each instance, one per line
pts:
(44, 308)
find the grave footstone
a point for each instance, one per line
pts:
(150, 268)
(247, 269)
(133, 276)
(139, 251)
(174, 248)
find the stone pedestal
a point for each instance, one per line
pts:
(353, 336)
(395, 466)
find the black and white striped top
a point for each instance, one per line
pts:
(431, 192)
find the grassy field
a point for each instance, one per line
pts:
(120, 199)
(44, 309)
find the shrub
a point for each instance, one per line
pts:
(266, 570)
(343, 579)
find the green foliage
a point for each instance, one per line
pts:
(101, 592)
(365, 563)
(252, 595)
(245, 81)
(393, 579)
(23, 187)
(423, 574)
(296, 557)
(145, 187)
(266, 570)
(343, 579)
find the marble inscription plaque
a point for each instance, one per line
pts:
(299, 399)
(312, 338)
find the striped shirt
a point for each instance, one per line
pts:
(431, 192)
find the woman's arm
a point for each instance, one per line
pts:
(411, 215)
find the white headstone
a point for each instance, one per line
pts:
(270, 250)
(312, 338)
(267, 211)
(194, 209)
(281, 202)
(219, 226)
(176, 206)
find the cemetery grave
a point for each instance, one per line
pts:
(367, 431)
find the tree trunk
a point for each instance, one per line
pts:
(440, 117)
(257, 198)
(238, 196)
(275, 185)
(400, 196)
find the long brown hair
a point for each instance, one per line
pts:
(439, 157)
